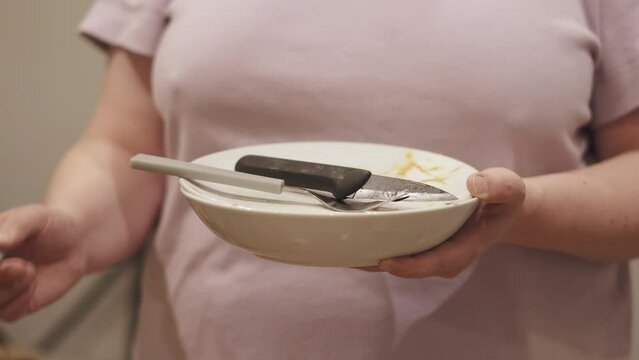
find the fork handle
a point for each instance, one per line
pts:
(185, 169)
(338, 180)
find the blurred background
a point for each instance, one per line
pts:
(50, 80)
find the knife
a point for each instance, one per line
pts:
(340, 181)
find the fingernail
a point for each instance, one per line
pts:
(480, 186)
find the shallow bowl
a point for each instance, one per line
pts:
(294, 228)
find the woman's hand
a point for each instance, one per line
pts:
(43, 257)
(501, 193)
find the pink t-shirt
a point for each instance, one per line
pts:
(493, 83)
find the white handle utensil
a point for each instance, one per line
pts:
(201, 172)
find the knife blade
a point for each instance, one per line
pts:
(385, 187)
(340, 181)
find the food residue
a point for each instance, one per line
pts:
(433, 173)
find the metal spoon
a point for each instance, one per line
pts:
(191, 171)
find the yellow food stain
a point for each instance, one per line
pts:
(409, 164)
(438, 179)
(455, 169)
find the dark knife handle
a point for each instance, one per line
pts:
(338, 180)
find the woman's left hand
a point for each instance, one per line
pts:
(501, 193)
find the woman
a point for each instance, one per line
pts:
(507, 86)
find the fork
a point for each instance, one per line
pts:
(350, 205)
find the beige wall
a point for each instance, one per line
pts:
(49, 81)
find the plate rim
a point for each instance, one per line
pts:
(186, 187)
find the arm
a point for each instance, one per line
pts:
(592, 213)
(96, 211)
(114, 205)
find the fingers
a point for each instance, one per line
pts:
(16, 278)
(447, 260)
(497, 186)
(18, 306)
(486, 227)
(20, 224)
(373, 268)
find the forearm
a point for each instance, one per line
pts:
(113, 206)
(591, 213)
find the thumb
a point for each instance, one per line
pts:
(497, 186)
(22, 223)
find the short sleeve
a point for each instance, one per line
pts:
(616, 83)
(135, 25)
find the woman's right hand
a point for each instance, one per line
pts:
(44, 257)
